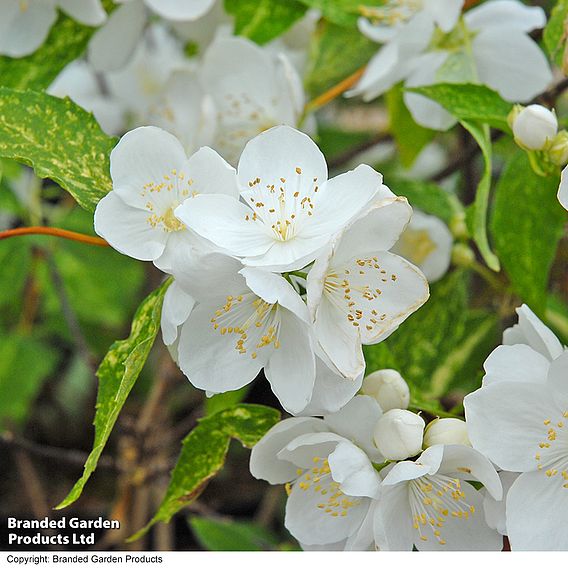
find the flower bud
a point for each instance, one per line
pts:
(534, 126)
(446, 431)
(558, 150)
(462, 255)
(398, 434)
(388, 388)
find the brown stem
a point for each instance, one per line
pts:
(54, 232)
(335, 91)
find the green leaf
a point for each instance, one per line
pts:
(24, 364)
(427, 337)
(557, 317)
(479, 220)
(462, 369)
(410, 138)
(65, 43)
(335, 53)
(428, 197)
(60, 140)
(232, 535)
(204, 451)
(263, 20)
(341, 12)
(469, 102)
(526, 225)
(554, 34)
(117, 374)
(224, 400)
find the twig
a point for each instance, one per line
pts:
(69, 316)
(54, 232)
(348, 155)
(70, 457)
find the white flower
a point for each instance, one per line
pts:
(490, 45)
(112, 46)
(78, 81)
(534, 126)
(388, 388)
(151, 176)
(25, 24)
(427, 243)
(245, 320)
(253, 90)
(517, 419)
(426, 504)
(563, 189)
(446, 431)
(398, 434)
(289, 210)
(359, 293)
(327, 466)
(142, 83)
(495, 509)
(185, 110)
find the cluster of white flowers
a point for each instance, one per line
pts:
(367, 478)
(223, 98)
(431, 42)
(371, 476)
(276, 266)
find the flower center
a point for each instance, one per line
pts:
(24, 5)
(251, 320)
(282, 207)
(354, 290)
(177, 187)
(552, 454)
(433, 499)
(415, 246)
(333, 502)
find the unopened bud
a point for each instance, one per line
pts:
(458, 226)
(446, 431)
(558, 150)
(534, 127)
(388, 388)
(398, 434)
(462, 255)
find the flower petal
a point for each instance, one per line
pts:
(342, 199)
(355, 421)
(563, 189)
(210, 360)
(506, 422)
(291, 368)
(23, 31)
(558, 379)
(127, 229)
(88, 12)
(175, 310)
(278, 154)
(466, 463)
(517, 363)
(264, 463)
(312, 524)
(536, 512)
(352, 469)
(141, 167)
(378, 230)
(180, 10)
(393, 519)
(531, 331)
(331, 391)
(511, 63)
(223, 220)
(505, 13)
(459, 534)
(112, 45)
